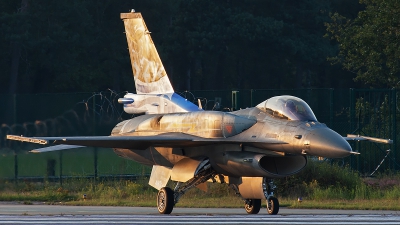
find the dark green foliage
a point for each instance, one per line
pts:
(323, 180)
(369, 44)
(79, 45)
(250, 44)
(318, 175)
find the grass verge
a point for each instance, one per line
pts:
(329, 187)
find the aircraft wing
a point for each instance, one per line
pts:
(353, 137)
(133, 142)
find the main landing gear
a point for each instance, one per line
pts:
(253, 206)
(167, 198)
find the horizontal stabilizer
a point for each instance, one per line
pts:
(353, 137)
(56, 148)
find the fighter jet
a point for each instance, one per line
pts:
(246, 149)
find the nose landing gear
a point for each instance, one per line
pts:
(272, 202)
(272, 206)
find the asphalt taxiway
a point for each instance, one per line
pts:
(61, 214)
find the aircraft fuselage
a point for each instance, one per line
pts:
(256, 155)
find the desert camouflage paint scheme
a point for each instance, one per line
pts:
(154, 92)
(149, 73)
(245, 149)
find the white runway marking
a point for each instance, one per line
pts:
(202, 219)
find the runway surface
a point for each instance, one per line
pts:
(201, 219)
(59, 214)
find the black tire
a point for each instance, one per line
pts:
(253, 206)
(165, 200)
(273, 209)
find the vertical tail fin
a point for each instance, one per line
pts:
(148, 71)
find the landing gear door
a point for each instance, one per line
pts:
(186, 169)
(159, 176)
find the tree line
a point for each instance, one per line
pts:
(79, 46)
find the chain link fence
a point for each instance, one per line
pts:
(366, 112)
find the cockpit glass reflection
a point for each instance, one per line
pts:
(288, 107)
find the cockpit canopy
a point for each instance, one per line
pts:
(287, 107)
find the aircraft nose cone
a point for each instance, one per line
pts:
(327, 143)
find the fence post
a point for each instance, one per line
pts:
(60, 162)
(15, 165)
(352, 109)
(234, 100)
(251, 97)
(394, 128)
(94, 133)
(14, 108)
(331, 105)
(15, 151)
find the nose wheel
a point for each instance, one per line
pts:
(272, 202)
(272, 205)
(165, 200)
